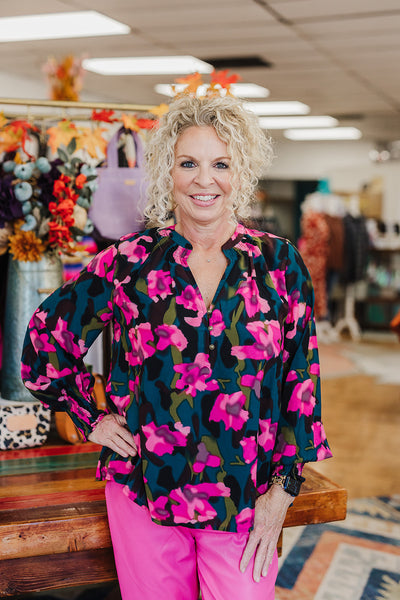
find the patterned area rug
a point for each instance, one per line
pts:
(355, 559)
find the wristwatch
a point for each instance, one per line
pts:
(290, 483)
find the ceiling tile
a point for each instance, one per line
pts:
(295, 10)
(360, 44)
(194, 14)
(351, 26)
(232, 31)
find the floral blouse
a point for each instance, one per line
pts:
(217, 400)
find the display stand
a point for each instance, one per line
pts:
(348, 321)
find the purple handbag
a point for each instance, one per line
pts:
(118, 203)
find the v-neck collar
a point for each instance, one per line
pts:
(180, 240)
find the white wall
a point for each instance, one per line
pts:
(12, 86)
(18, 87)
(345, 164)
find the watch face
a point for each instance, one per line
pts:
(292, 486)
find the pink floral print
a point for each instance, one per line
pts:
(161, 440)
(140, 338)
(160, 285)
(268, 338)
(229, 409)
(170, 335)
(194, 375)
(191, 503)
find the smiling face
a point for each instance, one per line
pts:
(202, 178)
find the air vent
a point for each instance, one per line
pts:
(349, 117)
(239, 62)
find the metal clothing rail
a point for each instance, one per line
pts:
(69, 104)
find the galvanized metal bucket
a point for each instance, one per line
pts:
(28, 284)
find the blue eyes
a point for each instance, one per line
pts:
(189, 164)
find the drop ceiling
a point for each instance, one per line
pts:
(341, 57)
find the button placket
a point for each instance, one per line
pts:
(210, 327)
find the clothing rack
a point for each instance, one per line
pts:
(69, 104)
(65, 104)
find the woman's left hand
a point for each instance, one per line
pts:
(270, 513)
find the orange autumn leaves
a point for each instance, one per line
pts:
(92, 138)
(219, 80)
(14, 134)
(89, 139)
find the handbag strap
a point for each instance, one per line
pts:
(112, 149)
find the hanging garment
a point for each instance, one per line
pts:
(356, 248)
(335, 256)
(314, 250)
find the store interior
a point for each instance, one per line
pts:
(337, 199)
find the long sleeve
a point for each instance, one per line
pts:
(58, 336)
(300, 434)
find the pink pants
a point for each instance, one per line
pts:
(155, 561)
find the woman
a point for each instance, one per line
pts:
(213, 393)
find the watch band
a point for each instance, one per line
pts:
(290, 483)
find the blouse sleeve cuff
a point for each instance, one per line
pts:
(86, 428)
(295, 469)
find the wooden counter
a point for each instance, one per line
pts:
(53, 522)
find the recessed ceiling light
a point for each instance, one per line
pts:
(336, 133)
(241, 90)
(285, 122)
(249, 90)
(59, 25)
(147, 65)
(278, 108)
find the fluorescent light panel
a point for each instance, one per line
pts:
(147, 65)
(59, 25)
(285, 122)
(241, 90)
(278, 108)
(336, 133)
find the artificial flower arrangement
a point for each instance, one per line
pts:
(65, 77)
(43, 203)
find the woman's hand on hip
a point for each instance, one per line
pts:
(270, 513)
(112, 432)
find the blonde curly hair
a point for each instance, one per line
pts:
(248, 146)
